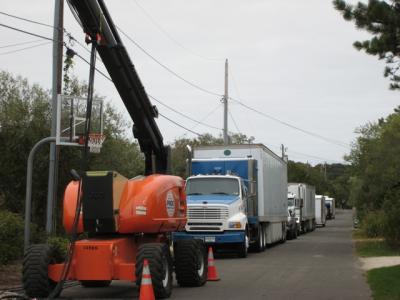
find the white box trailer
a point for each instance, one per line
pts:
(320, 213)
(263, 196)
(330, 207)
(306, 211)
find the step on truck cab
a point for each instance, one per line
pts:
(237, 198)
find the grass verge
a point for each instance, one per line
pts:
(375, 248)
(385, 283)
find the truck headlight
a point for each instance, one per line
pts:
(235, 225)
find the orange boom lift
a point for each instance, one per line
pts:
(125, 221)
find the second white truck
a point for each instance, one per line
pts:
(320, 213)
(301, 201)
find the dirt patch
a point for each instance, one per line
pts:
(368, 263)
(11, 275)
(369, 240)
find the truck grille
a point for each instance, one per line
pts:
(206, 213)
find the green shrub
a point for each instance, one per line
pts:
(373, 224)
(60, 246)
(391, 208)
(11, 236)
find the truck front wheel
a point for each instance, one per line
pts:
(242, 248)
(191, 263)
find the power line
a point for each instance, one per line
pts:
(161, 29)
(332, 141)
(27, 32)
(26, 48)
(179, 125)
(27, 20)
(208, 115)
(182, 114)
(167, 68)
(165, 117)
(234, 122)
(312, 156)
(20, 44)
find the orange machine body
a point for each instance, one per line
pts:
(152, 204)
(148, 208)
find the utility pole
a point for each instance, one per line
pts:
(226, 97)
(58, 35)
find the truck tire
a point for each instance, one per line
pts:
(159, 257)
(36, 281)
(283, 240)
(289, 234)
(242, 249)
(190, 263)
(95, 283)
(258, 245)
(295, 233)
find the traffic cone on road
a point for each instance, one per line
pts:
(212, 269)
(146, 287)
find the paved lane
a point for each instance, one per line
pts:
(318, 265)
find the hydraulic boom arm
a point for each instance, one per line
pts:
(98, 25)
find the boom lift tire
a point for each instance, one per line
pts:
(191, 263)
(159, 257)
(36, 281)
(95, 283)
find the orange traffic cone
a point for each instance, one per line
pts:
(212, 270)
(146, 287)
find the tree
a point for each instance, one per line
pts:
(381, 19)
(376, 172)
(25, 119)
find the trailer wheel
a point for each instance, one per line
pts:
(36, 281)
(95, 283)
(190, 263)
(258, 245)
(283, 240)
(160, 263)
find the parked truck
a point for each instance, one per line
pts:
(330, 207)
(320, 214)
(237, 197)
(301, 201)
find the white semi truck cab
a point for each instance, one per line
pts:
(294, 208)
(216, 203)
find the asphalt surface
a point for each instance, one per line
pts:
(318, 265)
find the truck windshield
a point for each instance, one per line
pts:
(207, 186)
(290, 201)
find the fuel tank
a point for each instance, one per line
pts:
(113, 204)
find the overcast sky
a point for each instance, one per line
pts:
(292, 60)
